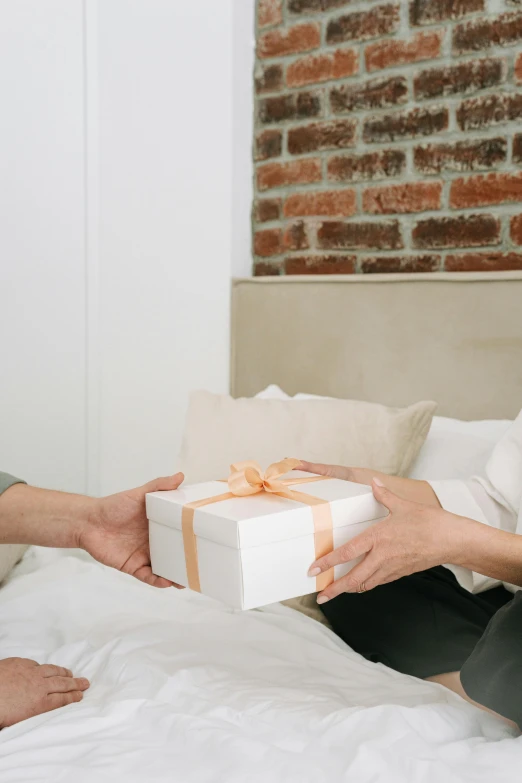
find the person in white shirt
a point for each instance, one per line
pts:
(435, 593)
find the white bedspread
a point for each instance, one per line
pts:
(185, 689)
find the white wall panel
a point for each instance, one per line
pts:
(125, 195)
(165, 162)
(42, 263)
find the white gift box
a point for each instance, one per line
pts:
(254, 550)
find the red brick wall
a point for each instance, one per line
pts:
(386, 136)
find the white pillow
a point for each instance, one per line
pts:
(454, 449)
(220, 430)
(272, 392)
(457, 449)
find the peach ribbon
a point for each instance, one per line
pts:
(248, 478)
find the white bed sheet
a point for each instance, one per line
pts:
(185, 689)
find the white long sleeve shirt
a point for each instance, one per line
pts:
(495, 500)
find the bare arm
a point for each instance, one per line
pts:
(415, 537)
(113, 529)
(29, 515)
(406, 488)
(493, 553)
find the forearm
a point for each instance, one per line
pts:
(408, 489)
(491, 552)
(29, 515)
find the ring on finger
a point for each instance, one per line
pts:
(362, 588)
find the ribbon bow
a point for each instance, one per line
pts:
(248, 478)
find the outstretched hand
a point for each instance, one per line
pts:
(117, 534)
(413, 537)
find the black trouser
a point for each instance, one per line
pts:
(426, 624)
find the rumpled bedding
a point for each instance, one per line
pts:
(185, 689)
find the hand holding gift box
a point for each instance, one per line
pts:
(250, 540)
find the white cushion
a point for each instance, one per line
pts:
(454, 449)
(272, 392)
(457, 449)
(220, 430)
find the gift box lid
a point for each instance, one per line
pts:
(254, 520)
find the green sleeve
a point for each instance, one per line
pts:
(7, 481)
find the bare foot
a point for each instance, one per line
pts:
(28, 688)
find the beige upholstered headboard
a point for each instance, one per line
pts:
(395, 339)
